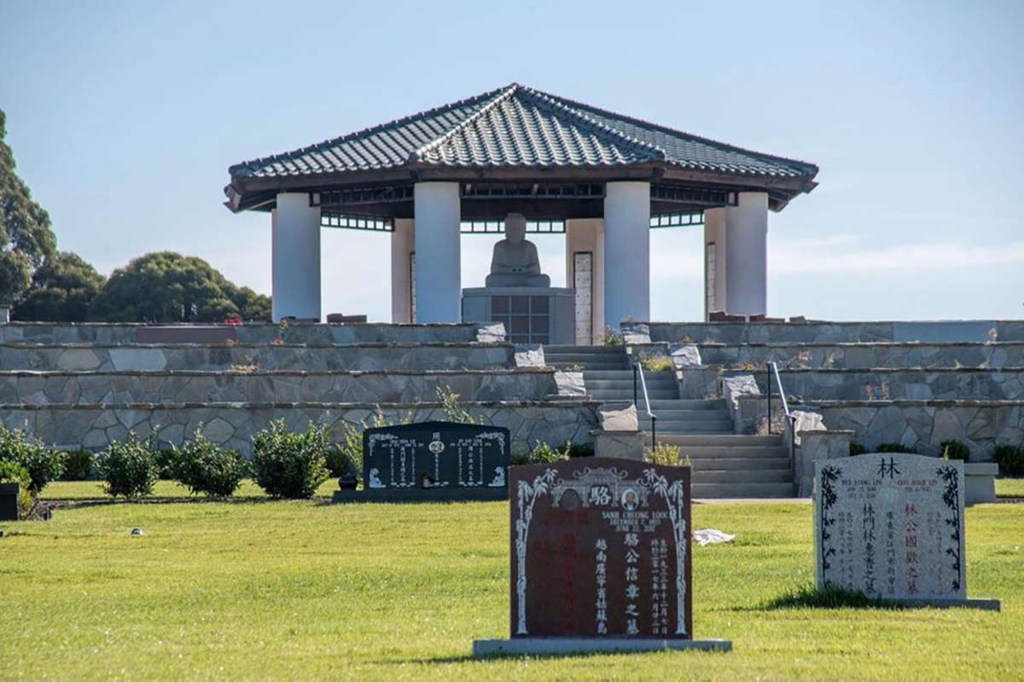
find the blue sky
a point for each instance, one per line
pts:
(124, 117)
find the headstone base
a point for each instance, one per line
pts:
(541, 646)
(421, 495)
(979, 604)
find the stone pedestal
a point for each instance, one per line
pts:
(980, 483)
(530, 314)
(619, 444)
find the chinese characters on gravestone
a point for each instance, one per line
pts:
(891, 526)
(445, 460)
(600, 558)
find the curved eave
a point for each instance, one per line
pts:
(248, 192)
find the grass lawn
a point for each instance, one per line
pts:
(163, 490)
(1010, 487)
(261, 590)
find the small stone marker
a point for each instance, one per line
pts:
(433, 461)
(9, 501)
(892, 526)
(600, 553)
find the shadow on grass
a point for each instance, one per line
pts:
(829, 597)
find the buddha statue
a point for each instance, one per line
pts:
(515, 262)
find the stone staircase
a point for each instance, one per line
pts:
(724, 465)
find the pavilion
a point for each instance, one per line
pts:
(603, 179)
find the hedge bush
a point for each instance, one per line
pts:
(11, 472)
(78, 466)
(290, 465)
(955, 449)
(129, 467)
(1010, 459)
(43, 465)
(895, 447)
(204, 467)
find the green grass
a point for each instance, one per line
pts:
(301, 590)
(163, 490)
(1010, 487)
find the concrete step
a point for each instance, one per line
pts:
(668, 414)
(695, 452)
(617, 384)
(596, 350)
(741, 464)
(627, 375)
(687, 404)
(727, 440)
(740, 490)
(681, 428)
(623, 396)
(702, 428)
(745, 476)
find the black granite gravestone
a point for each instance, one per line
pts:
(433, 461)
(9, 501)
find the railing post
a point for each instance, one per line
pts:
(635, 403)
(654, 432)
(769, 372)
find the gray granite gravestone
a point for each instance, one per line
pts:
(892, 526)
(600, 554)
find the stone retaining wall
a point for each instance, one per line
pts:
(943, 331)
(865, 356)
(295, 333)
(266, 357)
(83, 388)
(901, 384)
(981, 424)
(233, 425)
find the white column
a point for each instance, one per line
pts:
(627, 254)
(295, 258)
(438, 255)
(402, 246)
(714, 271)
(746, 226)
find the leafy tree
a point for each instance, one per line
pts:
(170, 287)
(26, 239)
(62, 289)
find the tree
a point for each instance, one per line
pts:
(26, 239)
(62, 289)
(170, 287)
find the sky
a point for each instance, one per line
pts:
(125, 116)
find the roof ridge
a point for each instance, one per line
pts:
(665, 129)
(506, 92)
(563, 106)
(264, 160)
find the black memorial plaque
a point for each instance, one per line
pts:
(436, 460)
(600, 549)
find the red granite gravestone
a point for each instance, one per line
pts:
(600, 558)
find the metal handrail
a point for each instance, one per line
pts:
(773, 372)
(639, 371)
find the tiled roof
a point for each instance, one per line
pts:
(517, 126)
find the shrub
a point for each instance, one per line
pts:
(656, 363)
(290, 465)
(164, 459)
(204, 467)
(42, 464)
(78, 466)
(129, 467)
(895, 447)
(11, 472)
(453, 409)
(542, 453)
(666, 455)
(955, 449)
(612, 336)
(857, 448)
(1010, 459)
